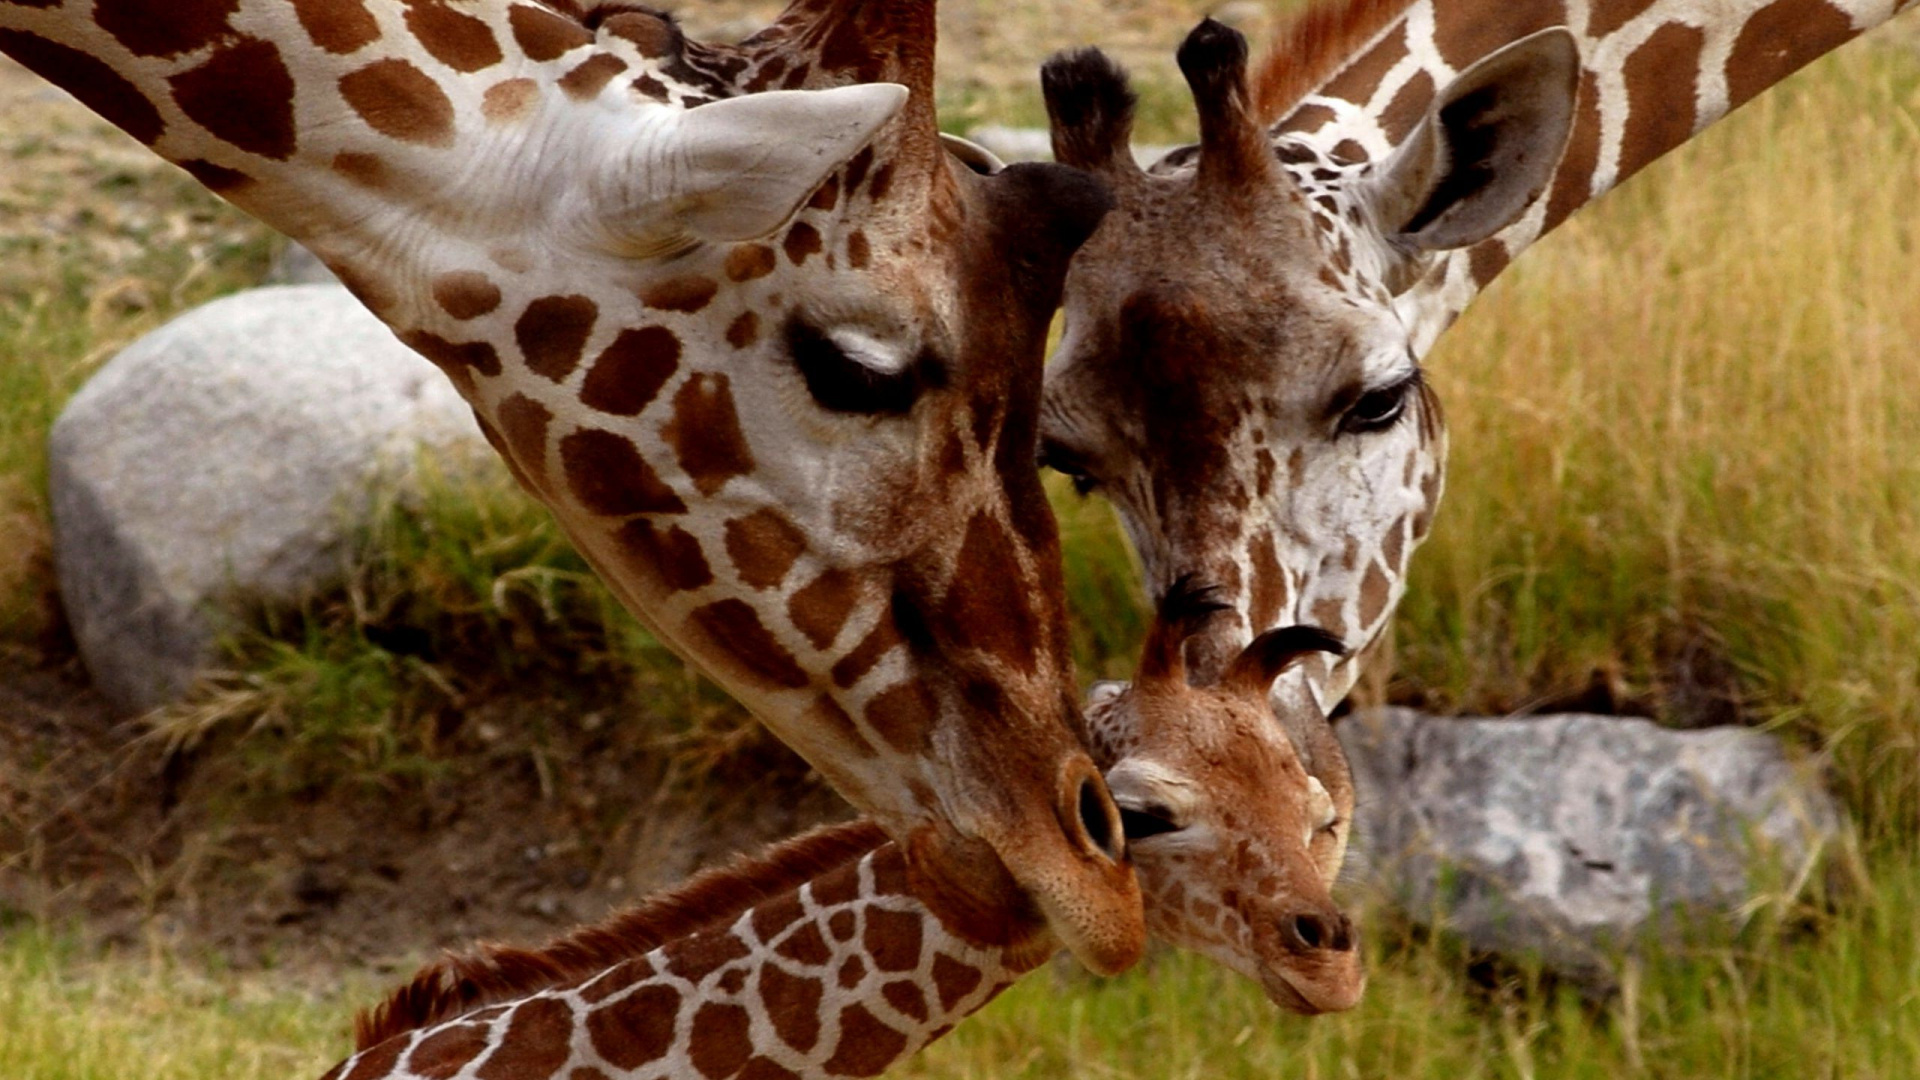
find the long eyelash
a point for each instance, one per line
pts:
(840, 383)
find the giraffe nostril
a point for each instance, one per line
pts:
(1308, 931)
(1343, 935)
(1316, 932)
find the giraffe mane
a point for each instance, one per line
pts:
(1311, 48)
(489, 973)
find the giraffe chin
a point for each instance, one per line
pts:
(1308, 996)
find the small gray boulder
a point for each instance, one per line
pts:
(224, 460)
(1572, 837)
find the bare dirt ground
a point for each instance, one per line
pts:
(109, 833)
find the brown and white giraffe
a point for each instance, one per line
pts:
(1240, 371)
(820, 959)
(773, 360)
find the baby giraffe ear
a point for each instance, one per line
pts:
(1487, 148)
(1185, 608)
(1273, 652)
(738, 168)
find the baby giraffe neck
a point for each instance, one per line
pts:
(842, 974)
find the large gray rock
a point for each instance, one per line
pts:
(222, 461)
(1573, 837)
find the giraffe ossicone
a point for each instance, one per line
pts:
(821, 958)
(768, 352)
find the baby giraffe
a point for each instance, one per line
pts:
(818, 960)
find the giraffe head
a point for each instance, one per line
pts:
(1237, 833)
(1235, 374)
(789, 414)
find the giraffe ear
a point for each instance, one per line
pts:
(1487, 148)
(739, 168)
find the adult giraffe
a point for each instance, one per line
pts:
(1240, 370)
(772, 361)
(819, 960)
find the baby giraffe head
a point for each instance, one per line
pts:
(1237, 834)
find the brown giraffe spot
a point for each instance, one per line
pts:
(738, 631)
(842, 923)
(1393, 546)
(775, 67)
(749, 261)
(721, 1041)
(538, 1041)
(592, 75)
(858, 253)
(907, 998)
(1350, 553)
(400, 101)
(1487, 259)
(953, 980)
(217, 178)
(338, 26)
(1296, 469)
(1374, 589)
(744, 330)
(763, 546)
(820, 608)
(1329, 614)
(672, 552)
(465, 294)
(1573, 181)
(379, 1061)
(686, 292)
(544, 36)
(617, 978)
(164, 27)
(903, 715)
(866, 1045)
(890, 874)
(987, 606)
(98, 86)
(694, 958)
(242, 95)
(806, 946)
(826, 195)
(524, 422)
(793, 1004)
(851, 972)
(608, 476)
(732, 981)
(636, 1029)
(882, 182)
(705, 432)
(509, 100)
(628, 374)
(1658, 118)
(797, 77)
(1407, 108)
(827, 714)
(459, 359)
(1314, 117)
(552, 331)
(1464, 35)
(802, 240)
(1269, 582)
(879, 641)
(651, 87)
(1349, 152)
(1779, 39)
(447, 1051)
(1606, 16)
(893, 940)
(651, 36)
(457, 40)
(857, 167)
(367, 170)
(1358, 80)
(762, 1069)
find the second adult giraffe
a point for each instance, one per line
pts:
(772, 359)
(1240, 371)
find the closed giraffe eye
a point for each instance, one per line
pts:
(1150, 820)
(847, 371)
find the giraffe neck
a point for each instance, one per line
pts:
(843, 973)
(1655, 75)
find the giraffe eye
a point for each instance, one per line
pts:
(849, 371)
(1377, 410)
(1151, 820)
(1068, 463)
